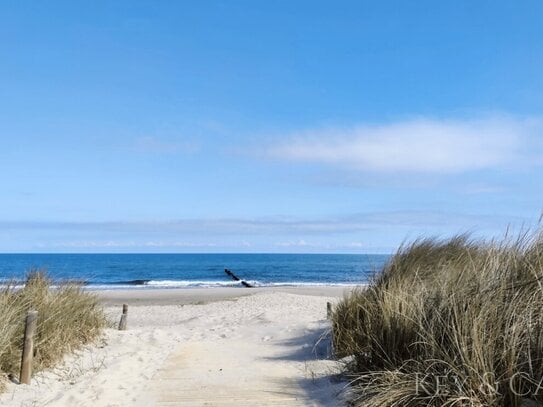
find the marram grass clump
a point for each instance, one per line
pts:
(448, 323)
(68, 317)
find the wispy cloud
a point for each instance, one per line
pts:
(301, 244)
(297, 243)
(419, 145)
(364, 232)
(279, 225)
(90, 244)
(161, 246)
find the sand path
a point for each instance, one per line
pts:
(257, 350)
(266, 383)
(268, 357)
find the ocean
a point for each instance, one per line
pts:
(121, 271)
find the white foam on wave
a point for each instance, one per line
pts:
(203, 284)
(171, 284)
(212, 284)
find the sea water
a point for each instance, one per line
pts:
(118, 271)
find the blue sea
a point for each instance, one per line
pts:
(118, 271)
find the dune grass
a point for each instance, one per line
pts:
(448, 323)
(68, 317)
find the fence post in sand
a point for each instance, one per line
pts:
(328, 310)
(124, 316)
(28, 347)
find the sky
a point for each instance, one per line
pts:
(267, 126)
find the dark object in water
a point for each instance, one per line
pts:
(133, 282)
(236, 278)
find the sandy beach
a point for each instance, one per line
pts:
(200, 347)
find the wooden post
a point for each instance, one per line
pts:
(28, 347)
(328, 310)
(124, 316)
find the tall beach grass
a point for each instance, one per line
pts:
(457, 322)
(68, 317)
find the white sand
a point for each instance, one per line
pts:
(261, 349)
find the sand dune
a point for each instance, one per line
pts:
(263, 349)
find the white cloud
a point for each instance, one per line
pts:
(298, 243)
(358, 245)
(363, 232)
(127, 244)
(279, 225)
(304, 243)
(418, 145)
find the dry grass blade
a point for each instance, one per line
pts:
(448, 323)
(68, 318)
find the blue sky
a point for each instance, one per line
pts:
(277, 126)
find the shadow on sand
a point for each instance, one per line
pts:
(321, 381)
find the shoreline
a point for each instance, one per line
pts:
(184, 296)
